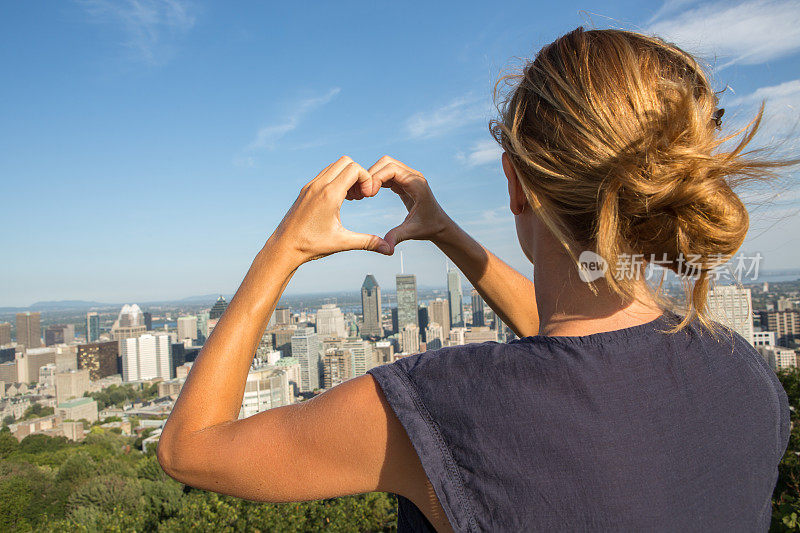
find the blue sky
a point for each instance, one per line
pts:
(148, 148)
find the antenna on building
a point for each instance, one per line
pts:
(402, 270)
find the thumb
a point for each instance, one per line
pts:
(397, 235)
(365, 241)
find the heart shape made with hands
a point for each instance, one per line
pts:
(313, 224)
(425, 217)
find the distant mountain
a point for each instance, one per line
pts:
(205, 298)
(59, 305)
(68, 304)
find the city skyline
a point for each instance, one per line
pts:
(103, 110)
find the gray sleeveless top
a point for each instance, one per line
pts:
(635, 429)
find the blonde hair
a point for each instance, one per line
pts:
(614, 139)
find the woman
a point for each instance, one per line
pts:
(610, 411)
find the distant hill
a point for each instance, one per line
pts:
(56, 306)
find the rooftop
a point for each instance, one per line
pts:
(75, 403)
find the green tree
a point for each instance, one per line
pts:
(8, 444)
(786, 496)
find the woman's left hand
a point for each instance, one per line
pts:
(312, 228)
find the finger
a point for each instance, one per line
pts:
(354, 194)
(365, 241)
(385, 160)
(332, 170)
(356, 179)
(393, 173)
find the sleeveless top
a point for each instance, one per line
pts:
(633, 429)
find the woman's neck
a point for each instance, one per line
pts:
(568, 307)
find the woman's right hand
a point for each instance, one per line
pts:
(426, 220)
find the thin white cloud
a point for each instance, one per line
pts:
(482, 153)
(781, 115)
(148, 27)
(669, 7)
(459, 112)
(749, 32)
(269, 135)
(788, 91)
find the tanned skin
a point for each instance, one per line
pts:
(347, 440)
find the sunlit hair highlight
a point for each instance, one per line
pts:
(612, 135)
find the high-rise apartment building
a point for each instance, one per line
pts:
(307, 348)
(407, 302)
(363, 355)
(337, 367)
(29, 329)
(384, 352)
(732, 306)
(283, 316)
(330, 321)
(187, 327)
(282, 340)
(434, 336)
(59, 334)
(371, 308)
(145, 357)
(92, 327)
(219, 307)
(147, 317)
(5, 333)
(785, 324)
(266, 387)
(455, 298)
(202, 325)
(409, 339)
(778, 358)
(439, 312)
(478, 318)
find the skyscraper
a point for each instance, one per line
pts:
(130, 323)
(478, 318)
(59, 334)
(92, 327)
(330, 321)
(455, 298)
(363, 355)
(219, 307)
(283, 316)
(439, 313)
(337, 365)
(29, 329)
(409, 339)
(5, 333)
(785, 324)
(187, 327)
(732, 306)
(371, 308)
(145, 357)
(202, 326)
(407, 301)
(307, 348)
(434, 337)
(101, 359)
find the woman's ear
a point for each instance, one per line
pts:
(517, 198)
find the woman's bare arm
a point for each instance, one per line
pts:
(344, 441)
(510, 294)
